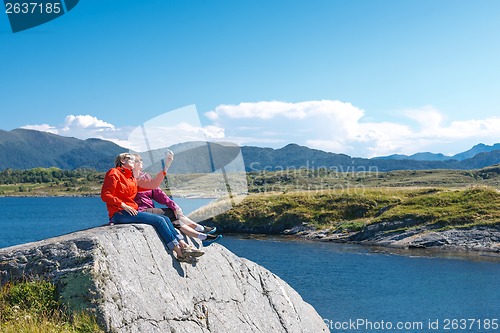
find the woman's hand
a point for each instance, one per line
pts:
(169, 158)
(129, 209)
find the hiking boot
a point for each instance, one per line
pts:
(192, 252)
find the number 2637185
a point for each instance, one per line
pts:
(33, 8)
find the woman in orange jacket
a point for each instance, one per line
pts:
(118, 192)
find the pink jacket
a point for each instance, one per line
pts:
(145, 197)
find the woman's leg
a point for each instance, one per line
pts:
(190, 223)
(190, 231)
(168, 213)
(157, 221)
(172, 229)
(184, 223)
(184, 247)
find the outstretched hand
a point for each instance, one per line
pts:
(169, 158)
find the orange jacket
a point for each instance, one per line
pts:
(120, 186)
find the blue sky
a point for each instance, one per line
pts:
(361, 77)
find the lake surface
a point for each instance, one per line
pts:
(30, 219)
(352, 283)
(354, 288)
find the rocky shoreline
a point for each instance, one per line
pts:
(478, 239)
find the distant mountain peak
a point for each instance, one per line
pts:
(427, 156)
(291, 146)
(477, 149)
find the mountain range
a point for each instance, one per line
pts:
(26, 149)
(477, 149)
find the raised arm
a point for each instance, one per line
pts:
(150, 184)
(163, 199)
(153, 183)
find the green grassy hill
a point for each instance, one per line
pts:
(341, 211)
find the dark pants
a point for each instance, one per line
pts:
(168, 212)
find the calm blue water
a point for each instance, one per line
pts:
(349, 283)
(30, 219)
(345, 283)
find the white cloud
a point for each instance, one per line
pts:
(341, 127)
(42, 128)
(213, 132)
(273, 109)
(153, 136)
(84, 127)
(86, 121)
(482, 128)
(131, 137)
(427, 117)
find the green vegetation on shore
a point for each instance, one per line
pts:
(349, 211)
(321, 179)
(347, 202)
(54, 181)
(50, 182)
(33, 306)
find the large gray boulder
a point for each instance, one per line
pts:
(126, 275)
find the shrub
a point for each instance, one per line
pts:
(33, 306)
(36, 297)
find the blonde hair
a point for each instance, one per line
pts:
(137, 157)
(120, 158)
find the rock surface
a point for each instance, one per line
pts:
(133, 283)
(408, 234)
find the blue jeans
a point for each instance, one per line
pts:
(162, 224)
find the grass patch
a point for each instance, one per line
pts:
(322, 209)
(33, 306)
(348, 212)
(351, 226)
(447, 207)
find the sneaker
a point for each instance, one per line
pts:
(192, 252)
(185, 258)
(211, 239)
(209, 230)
